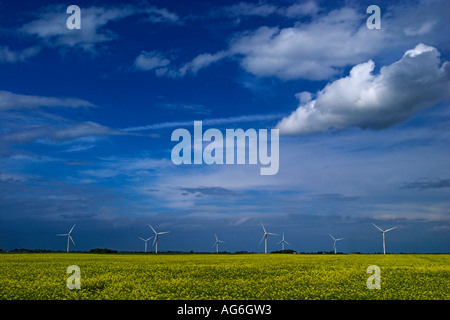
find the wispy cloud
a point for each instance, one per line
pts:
(11, 56)
(59, 133)
(24, 121)
(50, 24)
(427, 183)
(13, 101)
(333, 197)
(202, 61)
(208, 122)
(113, 166)
(150, 60)
(192, 108)
(261, 9)
(208, 191)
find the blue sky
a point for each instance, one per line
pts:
(87, 117)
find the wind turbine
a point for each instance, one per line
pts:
(335, 240)
(145, 240)
(156, 237)
(265, 237)
(283, 242)
(217, 243)
(68, 237)
(384, 231)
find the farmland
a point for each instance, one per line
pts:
(223, 276)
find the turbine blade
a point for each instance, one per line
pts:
(163, 232)
(71, 229)
(221, 241)
(280, 242)
(332, 237)
(214, 244)
(273, 234)
(391, 229)
(263, 227)
(287, 243)
(340, 239)
(262, 239)
(71, 239)
(156, 238)
(148, 238)
(377, 227)
(65, 234)
(141, 239)
(215, 235)
(153, 229)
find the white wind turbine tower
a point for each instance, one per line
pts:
(384, 231)
(265, 237)
(217, 243)
(68, 237)
(283, 242)
(156, 237)
(335, 240)
(145, 240)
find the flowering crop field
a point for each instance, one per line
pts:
(224, 276)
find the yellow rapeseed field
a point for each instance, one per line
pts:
(224, 276)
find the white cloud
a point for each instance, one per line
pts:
(49, 134)
(301, 9)
(320, 47)
(50, 25)
(250, 9)
(264, 10)
(82, 129)
(12, 101)
(201, 61)
(425, 28)
(150, 60)
(24, 122)
(313, 51)
(421, 18)
(10, 56)
(160, 15)
(139, 166)
(157, 62)
(362, 99)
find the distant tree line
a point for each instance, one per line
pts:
(102, 250)
(23, 250)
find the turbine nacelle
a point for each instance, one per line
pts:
(264, 238)
(155, 241)
(145, 241)
(283, 242)
(335, 240)
(217, 243)
(384, 232)
(69, 237)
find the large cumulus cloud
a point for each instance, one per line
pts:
(362, 99)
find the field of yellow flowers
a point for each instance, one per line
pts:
(223, 276)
